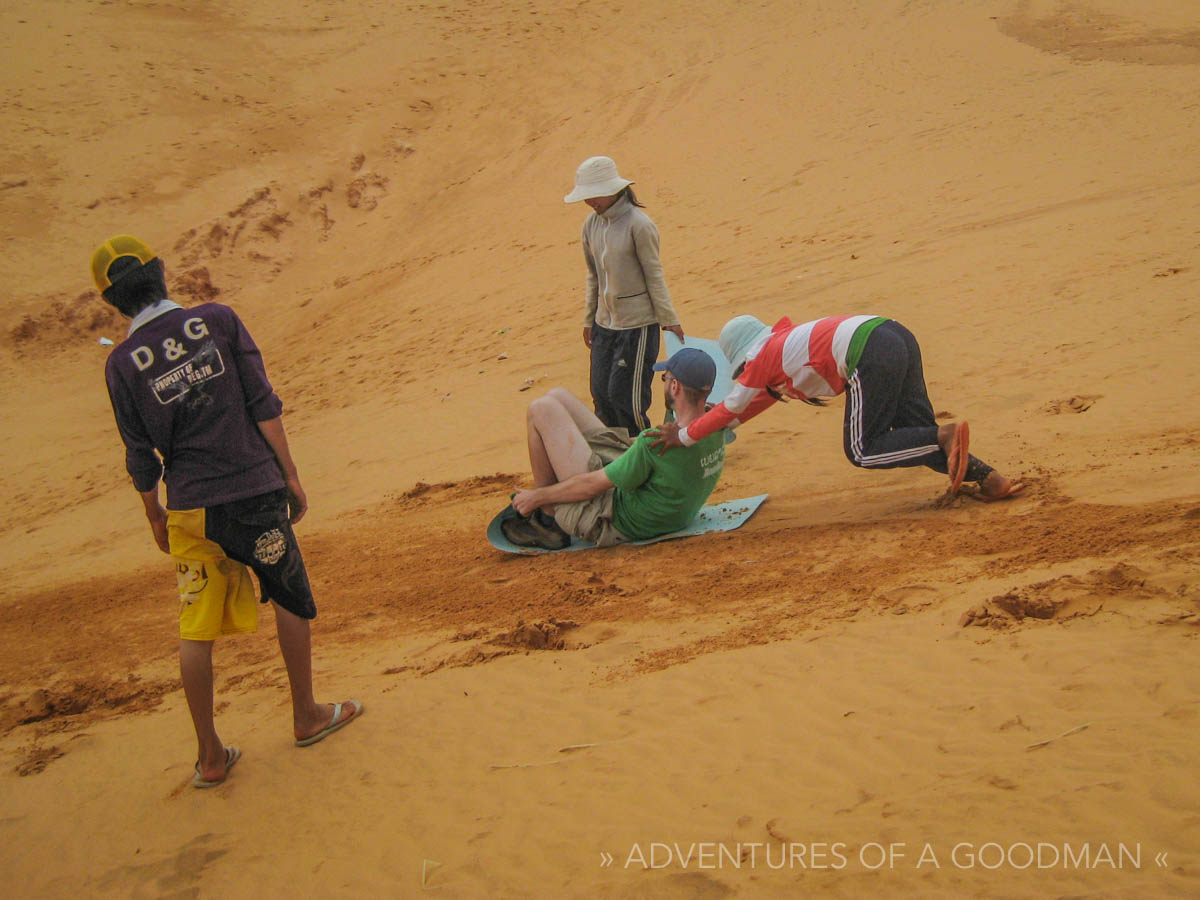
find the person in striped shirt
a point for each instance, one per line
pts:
(876, 362)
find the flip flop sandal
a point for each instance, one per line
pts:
(338, 721)
(232, 755)
(958, 456)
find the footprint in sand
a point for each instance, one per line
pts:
(1122, 587)
(313, 202)
(1080, 403)
(365, 191)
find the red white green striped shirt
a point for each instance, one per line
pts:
(797, 361)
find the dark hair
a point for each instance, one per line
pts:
(628, 192)
(135, 285)
(695, 396)
(811, 401)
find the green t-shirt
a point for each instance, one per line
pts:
(660, 494)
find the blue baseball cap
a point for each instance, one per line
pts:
(693, 368)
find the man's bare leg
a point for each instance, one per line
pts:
(585, 419)
(557, 447)
(196, 671)
(295, 643)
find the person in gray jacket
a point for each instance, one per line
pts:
(627, 297)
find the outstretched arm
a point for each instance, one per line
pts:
(720, 416)
(272, 430)
(583, 486)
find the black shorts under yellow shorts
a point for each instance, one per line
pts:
(212, 548)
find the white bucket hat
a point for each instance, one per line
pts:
(596, 177)
(738, 336)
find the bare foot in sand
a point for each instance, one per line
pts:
(997, 487)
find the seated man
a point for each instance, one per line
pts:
(598, 484)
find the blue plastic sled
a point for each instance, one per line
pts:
(720, 517)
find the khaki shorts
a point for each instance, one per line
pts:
(591, 520)
(216, 593)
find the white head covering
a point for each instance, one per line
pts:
(738, 336)
(596, 177)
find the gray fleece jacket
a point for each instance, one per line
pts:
(625, 285)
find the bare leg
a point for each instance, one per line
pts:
(585, 420)
(295, 643)
(557, 447)
(196, 671)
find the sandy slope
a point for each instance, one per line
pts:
(375, 187)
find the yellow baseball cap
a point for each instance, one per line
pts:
(112, 250)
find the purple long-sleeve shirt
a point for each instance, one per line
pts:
(189, 386)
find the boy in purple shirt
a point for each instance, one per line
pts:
(194, 408)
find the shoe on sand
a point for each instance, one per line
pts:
(538, 530)
(232, 755)
(338, 721)
(957, 456)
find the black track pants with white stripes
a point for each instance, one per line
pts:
(622, 374)
(889, 419)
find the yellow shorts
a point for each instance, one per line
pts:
(216, 594)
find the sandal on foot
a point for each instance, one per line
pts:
(232, 755)
(957, 456)
(338, 721)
